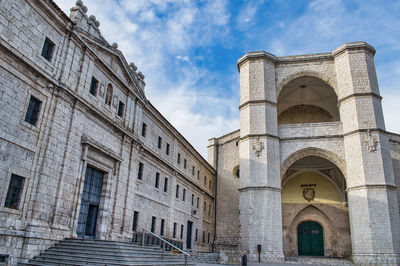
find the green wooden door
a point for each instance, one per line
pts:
(310, 239)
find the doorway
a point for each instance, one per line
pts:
(90, 203)
(189, 235)
(310, 239)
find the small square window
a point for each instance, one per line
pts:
(121, 107)
(14, 192)
(48, 48)
(93, 86)
(140, 171)
(32, 113)
(144, 129)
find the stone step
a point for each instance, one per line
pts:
(121, 251)
(107, 246)
(317, 260)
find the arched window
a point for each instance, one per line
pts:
(109, 94)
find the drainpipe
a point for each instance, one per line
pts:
(215, 197)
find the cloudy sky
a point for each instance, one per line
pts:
(188, 49)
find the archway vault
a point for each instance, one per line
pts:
(313, 151)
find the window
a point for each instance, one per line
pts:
(179, 158)
(14, 192)
(159, 142)
(32, 113)
(157, 184)
(192, 170)
(174, 232)
(205, 207)
(196, 235)
(198, 202)
(167, 150)
(192, 199)
(162, 227)
(205, 180)
(204, 236)
(48, 48)
(153, 224)
(121, 107)
(144, 129)
(184, 194)
(93, 86)
(198, 174)
(209, 210)
(140, 171)
(177, 192)
(184, 163)
(109, 95)
(208, 238)
(209, 184)
(182, 231)
(166, 185)
(135, 220)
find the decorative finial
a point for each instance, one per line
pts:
(92, 18)
(114, 45)
(79, 3)
(140, 74)
(85, 9)
(132, 66)
(97, 23)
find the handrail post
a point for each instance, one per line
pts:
(142, 238)
(185, 259)
(162, 250)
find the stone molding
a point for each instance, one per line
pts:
(361, 94)
(248, 188)
(372, 186)
(256, 102)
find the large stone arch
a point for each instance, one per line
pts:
(291, 77)
(313, 151)
(312, 213)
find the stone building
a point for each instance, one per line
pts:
(83, 152)
(312, 170)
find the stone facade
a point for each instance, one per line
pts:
(312, 147)
(71, 104)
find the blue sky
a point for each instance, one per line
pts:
(188, 49)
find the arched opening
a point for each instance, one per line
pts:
(314, 190)
(307, 100)
(109, 94)
(310, 239)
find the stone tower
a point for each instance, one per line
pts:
(359, 147)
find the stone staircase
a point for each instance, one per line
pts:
(206, 257)
(103, 252)
(317, 261)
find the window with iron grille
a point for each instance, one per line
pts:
(140, 171)
(93, 86)
(121, 107)
(48, 48)
(14, 192)
(32, 113)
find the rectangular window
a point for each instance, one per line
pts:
(32, 113)
(162, 227)
(182, 227)
(93, 86)
(121, 107)
(205, 180)
(14, 192)
(153, 224)
(48, 48)
(174, 232)
(177, 192)
(192, 199)
(159, 142)
(196, 235)
(179, 158)
(184, 194)
(204, 236)
(209, 210)
(208, 238)
(167, 150)
(209, 184)
(198, 202)
(135, 220)
(140, 171)
(205, 208)
(166, 185)
(157, 184)
(198, 174)
(184, 163)
(192, 170)
(144, 129)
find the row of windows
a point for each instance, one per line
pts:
(162, 228)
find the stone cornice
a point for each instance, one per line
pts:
(248, 188)
(256, 102)
(248, 136)
(372, 186)
(360, 94)
(354, 46)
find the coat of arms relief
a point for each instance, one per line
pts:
(308, 191)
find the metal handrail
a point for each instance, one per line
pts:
(165, 241)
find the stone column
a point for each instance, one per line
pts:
(373, 206)
(260, 189)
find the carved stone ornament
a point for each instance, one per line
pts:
(115, 101)
(370, 142)
(258, 146)
(308, 192)
(102, 89)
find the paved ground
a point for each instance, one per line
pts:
(253, 264)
